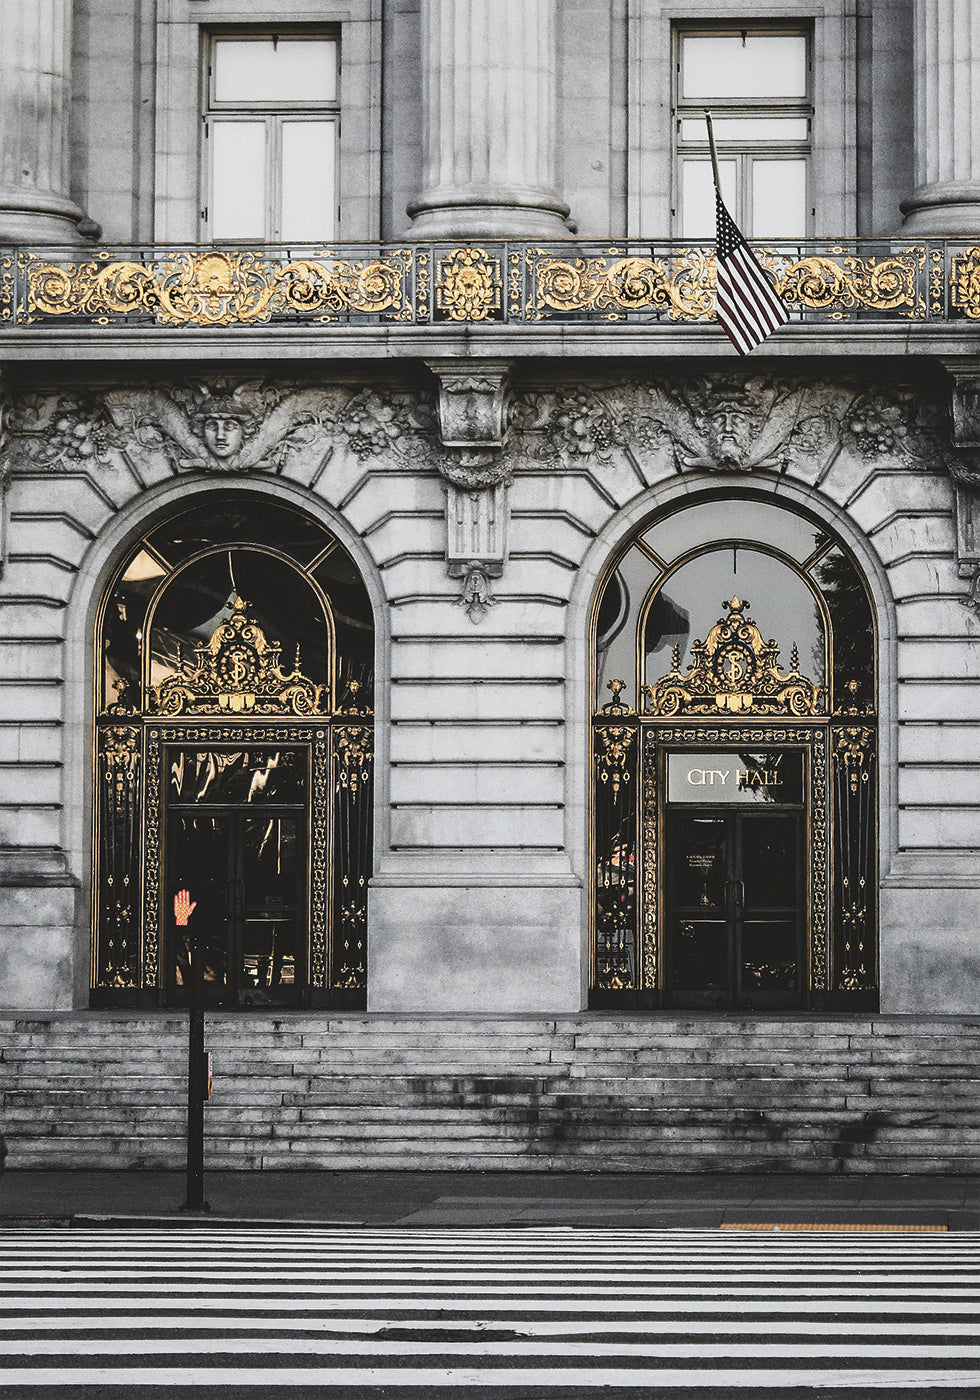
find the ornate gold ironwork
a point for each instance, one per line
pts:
(854, 746)
(732, 671)
(152, 861)
(964, 283)
(353, 744)
(814, 738)
(474, 283)
(469, 284)
(682, 287)
(615, 739)
(217, 288)
(650, 957)
(839, 282)
(238, 671)
(116, 961)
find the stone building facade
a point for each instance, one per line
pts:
(401, 568)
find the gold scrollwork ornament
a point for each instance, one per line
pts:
(965, 283)
(469, 285)
(238, 671)
(733, 671)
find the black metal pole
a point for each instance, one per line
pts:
(196, 1084)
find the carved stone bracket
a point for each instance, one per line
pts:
(6, 411)
(476, 470)
(965, 471)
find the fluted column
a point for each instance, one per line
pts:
(488, 92)
(35, 100)
(946, 199)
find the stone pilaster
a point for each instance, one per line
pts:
(35, 101)
(946, 199)
(489, 123)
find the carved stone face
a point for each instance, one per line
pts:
(728, 429)
(223, 435)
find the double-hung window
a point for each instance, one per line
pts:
(757, 86)
(272, 123)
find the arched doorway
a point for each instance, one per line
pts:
(734, 767)
(234, 743)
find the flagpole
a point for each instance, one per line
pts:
(714, 153)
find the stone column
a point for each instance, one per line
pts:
(35, 101)
(489, 121)
(946, 199)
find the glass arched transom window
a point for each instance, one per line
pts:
(233, 763)
(734, 744)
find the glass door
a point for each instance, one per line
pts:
(237, 874)
(734, 910)
(734, 887)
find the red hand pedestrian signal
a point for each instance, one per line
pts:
(184, 907)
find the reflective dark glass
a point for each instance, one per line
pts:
(699, 956)
(770, 958)
(240, 521)
(233, 776)
(199, 599)
(699, 861)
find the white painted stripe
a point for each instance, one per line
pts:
(420, 1289)
(693, 1302)
(902, 1326)
(445, 1274)
(262, 1345)
(637, 1242)
(563, 1236)
(556, 1377)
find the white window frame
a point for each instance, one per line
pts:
(272, 115)
(182, 29)
(742, 152)
(652, 185)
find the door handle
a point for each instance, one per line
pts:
(740, 894)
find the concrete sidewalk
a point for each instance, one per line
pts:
(451, 1199)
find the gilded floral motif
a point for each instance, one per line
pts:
(216, 288)
(469, 285)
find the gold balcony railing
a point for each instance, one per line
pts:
(632, 283)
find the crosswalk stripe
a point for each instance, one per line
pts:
(548, 1312)
(270, 1345)
(557, 1377)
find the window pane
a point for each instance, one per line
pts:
(308, 191)
(778, 198)
(746, 129)
(238, 179)
(268, 70)
(741, 520)
(698, 196)
(776, 597)
(756, 66)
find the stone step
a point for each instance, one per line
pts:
(563, 1093)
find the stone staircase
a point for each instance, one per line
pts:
(665, 1092)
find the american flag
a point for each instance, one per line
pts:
(748, 308)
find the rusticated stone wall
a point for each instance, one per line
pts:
(477, 900)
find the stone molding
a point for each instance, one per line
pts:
(733, 423)
(475, 434)
(475, 431)
(219, 427)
